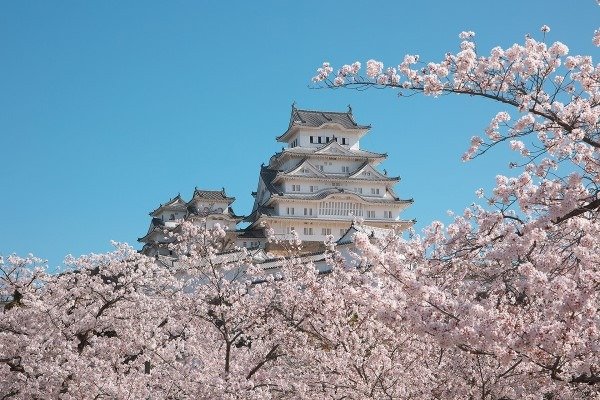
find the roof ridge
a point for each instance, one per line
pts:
(321, 111)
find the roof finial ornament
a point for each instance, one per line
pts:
(294, 105)
(349, 109)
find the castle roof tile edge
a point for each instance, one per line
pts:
(175, 203)
(212, 195)
(312, 152)
(324, 193)
(179, 204)
(256, 213)
(318, 118)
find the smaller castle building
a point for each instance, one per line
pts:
(206, 207)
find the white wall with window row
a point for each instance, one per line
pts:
(348, 209)
(307, 138)
(366, 188)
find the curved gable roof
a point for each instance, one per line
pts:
(367, 171)
(211, 195)
(175, 204)
(316, 119)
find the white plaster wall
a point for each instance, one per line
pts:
(352, 186)
(166, 215)
(211, 205)
(281, 208)
(303, 136)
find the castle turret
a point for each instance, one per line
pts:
(207, 207)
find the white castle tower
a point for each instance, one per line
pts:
(321, 182)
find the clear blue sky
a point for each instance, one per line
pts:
(109, 108)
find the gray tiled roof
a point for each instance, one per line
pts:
(212, 195)
(321, 194)
(315, 119)
(319, 118)
(267, 175)
(256, 213)
(304, 151)
(175, 204)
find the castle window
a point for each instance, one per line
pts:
(370, 214)
(326, 231)
(312, 139)
(290, 210)
(358, 190)
(172, 217)
(319, 139)
(314, 188)
(295, 188)
(387, 214)
(308, 231)
(344, 140)
(327, 139)
(345, 168)
(374, 190)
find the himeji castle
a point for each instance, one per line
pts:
(319, 185)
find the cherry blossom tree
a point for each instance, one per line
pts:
(210, 325)
(509, 291)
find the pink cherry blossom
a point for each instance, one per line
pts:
(511, 291)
